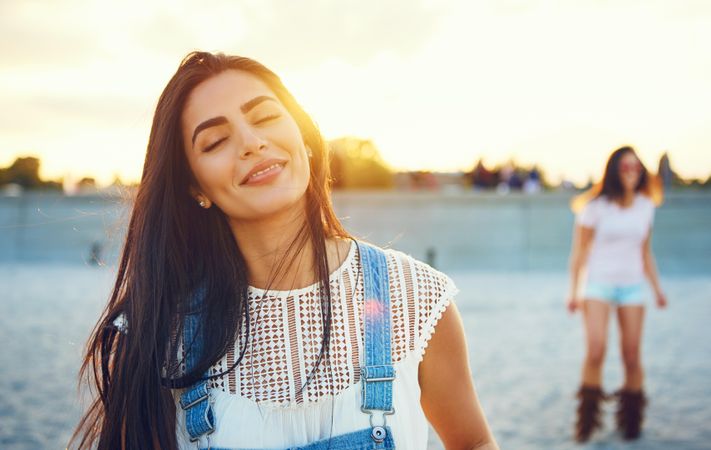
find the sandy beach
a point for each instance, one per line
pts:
(525, 349)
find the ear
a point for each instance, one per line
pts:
(194, 193)
(200, 198)
(309, 152)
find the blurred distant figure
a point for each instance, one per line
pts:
(95, 254)
(567, 185)
(515, 181)
(612, 241)
(505, 174)
(532, 185)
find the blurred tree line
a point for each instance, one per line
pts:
(357, 164)
(24, 172)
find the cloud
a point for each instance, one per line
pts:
(34, 114)
(299, 34)
(34, 38)
(464, 77)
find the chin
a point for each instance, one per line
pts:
(272, 204)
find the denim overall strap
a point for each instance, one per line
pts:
(195, 401)
(378, 373)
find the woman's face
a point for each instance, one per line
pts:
(244, 149)
(630, 170)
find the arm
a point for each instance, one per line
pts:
(650, 270)
(448, 397)
(580, 250)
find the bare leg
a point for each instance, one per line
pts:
(596, 314)
(631, 319)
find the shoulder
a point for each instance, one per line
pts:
(598, 202)
(645, 207)
(419, 295)
(590, 213)
(417, 279)
(646, 202)
(414, 277)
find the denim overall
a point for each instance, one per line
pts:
(377, 374)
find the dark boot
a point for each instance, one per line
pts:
(589, 398)
(630, 412)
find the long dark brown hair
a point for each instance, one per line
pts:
(611, 187)
(172, 248)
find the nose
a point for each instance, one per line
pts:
(252, 142)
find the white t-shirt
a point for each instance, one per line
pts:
(616, 252)
(263, 403)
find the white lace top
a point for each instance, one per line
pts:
(274, 398)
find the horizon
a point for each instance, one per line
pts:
(117, 180)
(435, 86)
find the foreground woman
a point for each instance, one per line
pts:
(244, 316)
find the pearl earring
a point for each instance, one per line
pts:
(202, 203)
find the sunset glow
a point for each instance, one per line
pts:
(436, 85)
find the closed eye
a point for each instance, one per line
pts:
(267, 119)
(214, 144)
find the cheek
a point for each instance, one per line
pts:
(304, 169)
(630, 179)
(214, 172)
(292, 141)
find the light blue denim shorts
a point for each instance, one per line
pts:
(616, 294)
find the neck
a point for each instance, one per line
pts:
(275, 260)
(627, 198)
(265, 244)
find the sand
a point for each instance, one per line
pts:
(525, 353)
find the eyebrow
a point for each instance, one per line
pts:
(255, 101)
(221, 120)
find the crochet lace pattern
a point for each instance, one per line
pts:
(286, 333)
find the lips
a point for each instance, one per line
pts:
(263, 170)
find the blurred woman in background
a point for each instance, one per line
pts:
(612, 242)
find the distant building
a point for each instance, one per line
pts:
(665, 171)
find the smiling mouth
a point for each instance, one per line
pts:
(263, 174)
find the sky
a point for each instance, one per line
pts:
(436, 85)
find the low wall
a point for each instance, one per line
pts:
(454, 231)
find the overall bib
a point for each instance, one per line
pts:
(377, 374)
